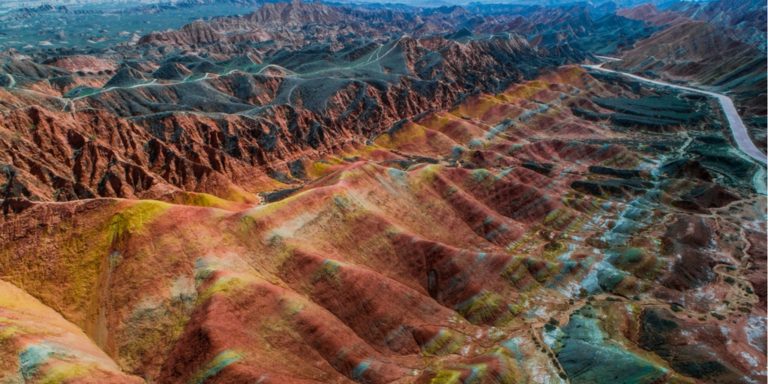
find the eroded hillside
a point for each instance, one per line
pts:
(513, 238)
(329, 194)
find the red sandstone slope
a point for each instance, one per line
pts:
(84, 64)
(60, 156)
(232, 134)
(66, 348)
(407, 260)
(455, 209)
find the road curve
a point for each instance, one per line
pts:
(738, 129)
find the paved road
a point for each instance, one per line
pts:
(738, 128)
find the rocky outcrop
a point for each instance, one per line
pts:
(83, 64)
(212, 132)
(197, 33)
(57, 156)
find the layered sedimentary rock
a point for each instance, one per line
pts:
(270, 198)
(147, 132)
(504, 240)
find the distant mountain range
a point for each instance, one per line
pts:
(16, 4)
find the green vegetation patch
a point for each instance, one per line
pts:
(135, 218)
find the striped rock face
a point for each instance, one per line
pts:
(382, 194)
(553, 232)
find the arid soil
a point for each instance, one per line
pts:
(321, 194)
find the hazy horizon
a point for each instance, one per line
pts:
(19, 4)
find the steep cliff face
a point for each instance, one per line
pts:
(61, 156)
